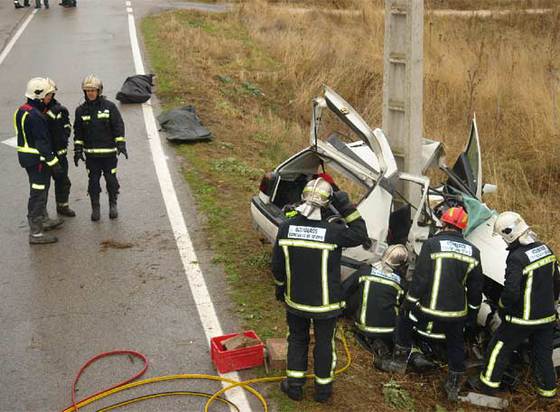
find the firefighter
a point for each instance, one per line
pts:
(60, 129)
(446, 287)
(374, 294)
(36, 155)
(527, 307)
(306, 266)
(99, 133)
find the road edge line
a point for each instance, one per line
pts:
(6, 50)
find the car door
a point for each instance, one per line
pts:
(468, 167)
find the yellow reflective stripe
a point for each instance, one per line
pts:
(324, 276)
(51, 114)
(412, 298)
(288, 271)
(323, 194)
(85, 118)
(518, 321)
(352, 216)
(59, 116)
(435, 285)
(539, 263)
(377, 279)
(372, 329)
(114, 171)
(546, 393)
(439, 336)
(306, 244)
(333, 351)
(474, 307)
(486, 377)
(27, 149)
(103, 115)
(120, 139)
(323, 381)
(295, 374)
(69, 126)
(278, 282)
(444, 313)
(457, 256)
(527, 296)
(100, 150)
(53, 161)
(79, 142)
(25, 144)
(314, 309)
(365, 300)
(37, 186)
(62, 152)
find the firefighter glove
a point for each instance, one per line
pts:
(78, 155)
(57, 170)
(341, 202)
(121, 149)
(280, 293)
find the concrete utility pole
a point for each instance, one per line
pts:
(402, 85)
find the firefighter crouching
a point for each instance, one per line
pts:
(36, 155)
(60, 129)
(306, 266)
(527, 307)
(99, 133)
(446, 287)
(374, 294)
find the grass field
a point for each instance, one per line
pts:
(251, 74)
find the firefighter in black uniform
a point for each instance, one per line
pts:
(527, 307)
(374, 295)
(446, 287)
(306, 267)
(99, 133)
(36, 155)
(60, 130)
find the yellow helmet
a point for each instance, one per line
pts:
(38, 87)
(92, 82)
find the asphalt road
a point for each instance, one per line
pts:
(61, 304)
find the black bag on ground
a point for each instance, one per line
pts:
(136, 89)
(183, 125)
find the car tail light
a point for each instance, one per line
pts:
(267, 183)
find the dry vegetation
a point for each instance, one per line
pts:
(252, 73)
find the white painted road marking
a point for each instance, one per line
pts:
(203, 301)
(16, 36)
(12, 142)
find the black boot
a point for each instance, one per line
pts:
(26, 3)
(113, 212)
(295, 393)
(95, 208)
(37, 235)
(322, 392)
(420, 363)
(396, 363)
(50, 224)
(452, 385)
(17, 5)
(64, 210)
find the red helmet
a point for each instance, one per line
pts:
(456, 216)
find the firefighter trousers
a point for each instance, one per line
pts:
(324, 353)
(62, 183)
(507, 338)
(454, 342)
(39, 182)
(106, 166)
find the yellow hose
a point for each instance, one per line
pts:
(244, 384)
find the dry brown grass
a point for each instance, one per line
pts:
(506, 69)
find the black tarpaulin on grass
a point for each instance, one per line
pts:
(183, 125)
(136, 89)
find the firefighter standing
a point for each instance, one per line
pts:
(527, 307)
(60, 130)
(99, 133)
(36, 155)
(306, 267)
(446, 287)
(375, 293)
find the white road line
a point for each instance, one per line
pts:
(12, 142)
(16, 36)
(203, 301)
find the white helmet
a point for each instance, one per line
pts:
(38, 88)
(92, 82)
(395, 256)
(317, 192)
(52, 84)
(510, 226)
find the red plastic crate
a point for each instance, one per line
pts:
(236, 359)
